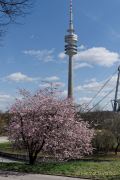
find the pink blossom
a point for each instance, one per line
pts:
(42, 122)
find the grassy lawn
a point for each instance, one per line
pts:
(102, 167)
(5, 146)
(95, 170)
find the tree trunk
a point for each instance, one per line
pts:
(32, 159)
(34, 153)
(116, 149)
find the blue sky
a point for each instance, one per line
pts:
(34, 51)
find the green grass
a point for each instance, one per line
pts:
(8, 148)
(5, 146)
(100, 167)
(95, 170)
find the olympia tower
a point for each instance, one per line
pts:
(71, 40)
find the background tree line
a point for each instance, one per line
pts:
(107, 127)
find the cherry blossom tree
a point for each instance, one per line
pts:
(43, 122)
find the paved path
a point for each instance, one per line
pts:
(34, 177)
(5, 160)
(3, 139)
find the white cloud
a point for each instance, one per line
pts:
(90, 80)
(52, 78)
(95, 56)
(5, 101)
(5, 97)
(98, 56)
(62, 55)
(82, 47)
(89, 89)
(54, 84)
(42, 55)
(59, 84)
(45, 85)
(93, 85)
(82, 65)
(64, 93)
(85, 99)
(19, 77)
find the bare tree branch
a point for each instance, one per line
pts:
(10, 10)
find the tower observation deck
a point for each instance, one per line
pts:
(71, 40)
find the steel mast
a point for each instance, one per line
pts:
(116, 92)
(71, 49)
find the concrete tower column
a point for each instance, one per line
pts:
(71, 49)
(70, 78)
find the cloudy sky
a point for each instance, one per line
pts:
(33, 52)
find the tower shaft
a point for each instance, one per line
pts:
(70, 78)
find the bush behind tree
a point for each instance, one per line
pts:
(107, 127)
